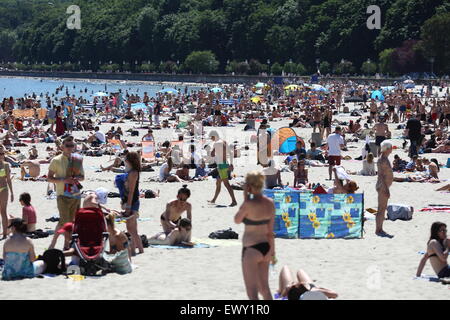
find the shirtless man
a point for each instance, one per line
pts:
(373, 109)
(381, 132)
(171, 217)
(385, 178)
(317, 118)
(220, 152)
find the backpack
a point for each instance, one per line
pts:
(399, 211)
(224, 234)
(95, 268)
(53, 258)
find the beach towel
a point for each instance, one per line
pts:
(197, 245)
(115, 145)
(435, 209)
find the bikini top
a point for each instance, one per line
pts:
(249, 222)
(2, 173)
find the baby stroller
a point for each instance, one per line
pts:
(89, 238)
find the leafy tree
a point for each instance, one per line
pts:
(436, 42)
(255, 67)
(301, 70)
(276, 69)
(201, 62)
(369, 68)
(324, 67)
(386, 62)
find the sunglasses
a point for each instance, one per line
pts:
(443, 230)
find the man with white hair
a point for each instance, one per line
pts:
(219, 153)
(385, 178)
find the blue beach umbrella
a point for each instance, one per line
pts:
(378, 95)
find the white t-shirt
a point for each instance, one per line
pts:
(100, 136)
(334, 144)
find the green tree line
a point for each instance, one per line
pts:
(241, 36)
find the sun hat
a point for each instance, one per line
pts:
(102, 195)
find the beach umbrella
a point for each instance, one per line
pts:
(168, 90)
(378, 95)
(100, 94)
(388, 88)
(255, 99)
(292, 87)
(260, 85)
(285, 139)
(318, 87)
(258, 92)
(216, 89)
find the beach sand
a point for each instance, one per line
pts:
(367, 268)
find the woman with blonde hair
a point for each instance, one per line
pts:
(368, 166)
(5, 185)
(258, 214)
(119, 250)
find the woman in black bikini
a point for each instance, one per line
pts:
(258, 214)
(437, 251)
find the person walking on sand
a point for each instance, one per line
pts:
(258, 214)
(220, 152)
(66, 172)
(5, 183)
(385, 178)
(335, 144)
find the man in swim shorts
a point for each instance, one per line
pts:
(220, 152)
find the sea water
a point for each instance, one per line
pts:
(24, 87)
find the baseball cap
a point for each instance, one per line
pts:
(102, 195)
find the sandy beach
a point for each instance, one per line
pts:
(367, 268)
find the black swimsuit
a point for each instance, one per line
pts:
(263, 247)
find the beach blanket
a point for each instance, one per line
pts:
(197, 245)
(321, 216)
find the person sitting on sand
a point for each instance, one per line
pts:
(438, 247)
(272, 175)
(18, 254)
(171, 217)
(119, 247)
(411, 166)
(164, 172)
(178, 236)
(368, 166)
(296, 290)
(398, 164)
(433, 167)
(201, 172)
(183, 173)
(28, 212)
(300, 174)
(34, 169)
(33, 153)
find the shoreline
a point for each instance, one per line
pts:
(194, 79)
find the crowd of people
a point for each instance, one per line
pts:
(424, 118)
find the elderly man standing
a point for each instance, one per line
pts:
(385, 178)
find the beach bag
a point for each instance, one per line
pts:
(53, 258)
(224, 234)
(94, 268)
(134, 133)
(399, 211)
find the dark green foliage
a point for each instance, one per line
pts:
(161, 34)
